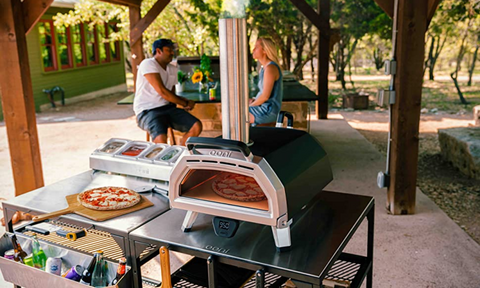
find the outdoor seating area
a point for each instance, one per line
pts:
(185, 173)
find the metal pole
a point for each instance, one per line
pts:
(234, 78)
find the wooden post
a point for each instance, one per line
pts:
(412, 25)
(137, 47)
(323, 54)
(17, 99)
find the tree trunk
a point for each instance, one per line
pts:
(377, 59)
(474, 60)
(311, 47)
(436, 54)
(429, 59)
(461, 53)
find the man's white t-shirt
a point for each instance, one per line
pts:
(146, 97)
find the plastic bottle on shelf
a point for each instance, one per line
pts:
(38, 256)
(120, 270)
(99, 275)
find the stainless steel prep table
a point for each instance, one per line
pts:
(52, 198)
(319, 235)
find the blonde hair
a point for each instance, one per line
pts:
(270, 49)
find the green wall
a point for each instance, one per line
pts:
(75, 81)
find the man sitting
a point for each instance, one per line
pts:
(155, 102)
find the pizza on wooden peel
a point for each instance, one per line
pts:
(108, 198)
(238, 187)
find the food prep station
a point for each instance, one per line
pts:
(298, 232)
(319, 232)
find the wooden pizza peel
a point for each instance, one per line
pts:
(75, 207)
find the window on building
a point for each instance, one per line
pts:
(92, 45)
(77, 46)
(114, 45)
(103, 47)
(47, 45)
(78, 41)
(64, 47)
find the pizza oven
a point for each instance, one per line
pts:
(290, 170)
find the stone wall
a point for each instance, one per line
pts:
(461, 147)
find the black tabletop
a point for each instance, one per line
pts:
(292, 91)
(319, 233)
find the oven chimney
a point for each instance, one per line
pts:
(234, 78)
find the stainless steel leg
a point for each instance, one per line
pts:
(189, 220)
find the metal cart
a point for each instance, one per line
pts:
(319, 236)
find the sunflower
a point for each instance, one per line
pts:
(197, 77)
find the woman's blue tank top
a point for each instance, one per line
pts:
(273, 103)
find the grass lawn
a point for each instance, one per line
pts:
(440, 94)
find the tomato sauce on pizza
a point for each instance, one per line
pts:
(238, 187)
(108, 198)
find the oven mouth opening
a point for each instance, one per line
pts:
(223, 187)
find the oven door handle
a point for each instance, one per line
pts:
(195, 143)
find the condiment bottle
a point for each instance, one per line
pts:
(120, 270)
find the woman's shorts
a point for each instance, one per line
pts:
(262, 114)
(157, 120)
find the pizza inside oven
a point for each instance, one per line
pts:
(237, 187)
(109, 198)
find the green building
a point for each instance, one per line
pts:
(75, 58)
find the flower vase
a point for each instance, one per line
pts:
(202, 88)
(179, 87)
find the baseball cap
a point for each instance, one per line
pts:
(160, 43)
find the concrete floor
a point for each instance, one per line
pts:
(423, 250)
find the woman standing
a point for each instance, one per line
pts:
(265, 107)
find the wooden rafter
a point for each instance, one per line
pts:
(320, 22)
(142, 25)
(387, 6)
(135, 3)
(32, 11)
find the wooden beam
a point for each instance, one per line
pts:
(432, 7)
(322, 23)
(323, 61)
(410, 47)
(32, 11)
(142, 25)
(134, 3)
(137, 47)
(387, 6)
(17, 99)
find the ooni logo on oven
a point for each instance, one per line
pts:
(221, 153)
(217, 249)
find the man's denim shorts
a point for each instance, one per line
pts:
(157, 120)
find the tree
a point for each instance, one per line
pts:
(464, 13)
(474, 60)
(175, 22)
(354, 18)
(439, 30)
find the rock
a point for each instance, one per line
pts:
(434, 110)
(461, 147)
(424, 110)
(476, 115)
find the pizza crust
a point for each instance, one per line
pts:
(108, 198)
(238, 187)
